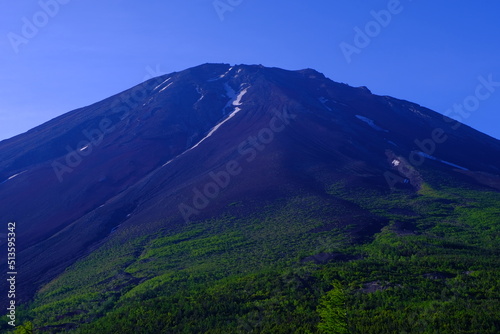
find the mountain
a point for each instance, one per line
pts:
(171, 180)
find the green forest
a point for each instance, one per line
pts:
(292, 267)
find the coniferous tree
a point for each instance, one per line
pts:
(332, 310)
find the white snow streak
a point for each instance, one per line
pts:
(442, 161)
(235, 101)
(371, 123)
(199, 91)
(201, 98)
(220, 76)
(170, 84)
(162, 84)
(14, 176)
(170, 160)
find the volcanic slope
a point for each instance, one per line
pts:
(158, 183)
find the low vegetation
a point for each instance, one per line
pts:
(292, 269)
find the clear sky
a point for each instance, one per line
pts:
(59, 55)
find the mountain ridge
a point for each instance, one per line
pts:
(217, 140)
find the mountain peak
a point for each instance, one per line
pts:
(183, 146)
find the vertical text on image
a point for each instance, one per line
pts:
(11, 273)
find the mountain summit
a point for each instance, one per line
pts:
(222, 141)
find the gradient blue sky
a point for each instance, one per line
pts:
(431, 53)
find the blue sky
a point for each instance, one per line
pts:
(59, 55)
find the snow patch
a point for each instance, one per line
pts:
(220, 76)
(13, 176)
(166, 163)
(148, 102)
(200, 92)
(16, 175)
(235, 102)
(170, 84)
(161, 84)
(441, 161)
(202, 95)
(371, 123)
(231, 94)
